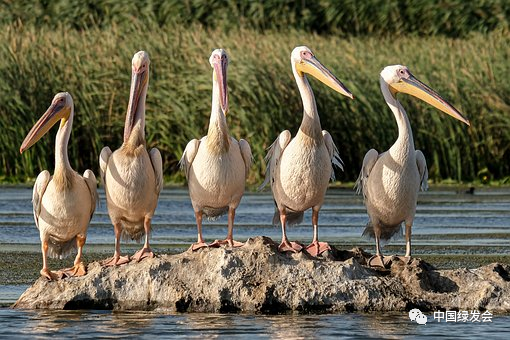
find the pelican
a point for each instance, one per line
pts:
(390, 181)
(216, 166)
(299, 169)
(65, 202)
(132, 177)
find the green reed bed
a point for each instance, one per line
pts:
(94, 65)
(347, 17)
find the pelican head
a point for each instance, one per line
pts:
(304, 61)
(219, 63)
(139, 81)
(60, 109)
(400, 79)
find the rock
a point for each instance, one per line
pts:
(257, 278)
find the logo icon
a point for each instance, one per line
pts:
(416, 315)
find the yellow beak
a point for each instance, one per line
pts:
(315, 68)
(418, 89)
(54, 113)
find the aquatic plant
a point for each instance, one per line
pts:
(92, 61)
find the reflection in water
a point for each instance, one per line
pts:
(84, 323)
(94, 324)
(392, 325)
(130, 323)
(45, 322)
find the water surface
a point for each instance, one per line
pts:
(451, 229)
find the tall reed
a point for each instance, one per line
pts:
(94, 66)
(452, 18)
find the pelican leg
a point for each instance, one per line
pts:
(230, 238)
(45, 271)
(408, 239)
(378, 260)
(117, 259)
(200, 242)
(146, 251)
(79, 267)
(407, 258)
(286, 245)
(316, 248)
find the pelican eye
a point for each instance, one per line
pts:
(306, 55)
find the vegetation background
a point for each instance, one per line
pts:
(460, 48)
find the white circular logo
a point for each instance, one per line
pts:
(421, 319)
(416, 315)
(413, 313)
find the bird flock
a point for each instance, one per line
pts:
(216, 166)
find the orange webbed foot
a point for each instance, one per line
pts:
(143, 253)
(317, 248)
(115, 261)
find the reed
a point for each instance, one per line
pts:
(94, 66)
(452, 18)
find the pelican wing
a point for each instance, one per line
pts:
(368, 163)
(274, 154)
(90, 180)
(189, 155)
(247, 156)
(333, 153)
(423, 170)
(157, 164)
(103, 163)
(41, 183)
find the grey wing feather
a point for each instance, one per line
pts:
(423, 170)
(41, 183)
(333, 153)
(189, 155)
(368, 163)
(103, 163)
(91, 181)
(246, 154)
(157, 165)
(273, 155)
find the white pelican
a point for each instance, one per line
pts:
(217, 165)
(300, 168)
(65, 202)
(390, 181)
(132, 177)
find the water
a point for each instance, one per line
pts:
(450, 228)
(94, 324)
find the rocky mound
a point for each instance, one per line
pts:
(257, 278)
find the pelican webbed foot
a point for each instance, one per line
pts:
(77, 270)
(287, 246)
(116, 260)
(198, 245)
(316, 248)
(143, 253)
(380, 261)
(49, 275)
(228, 242)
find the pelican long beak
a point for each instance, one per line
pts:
(220, 71)
(314, 67)
(418, 89)
(55, 112)
(138, 81)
